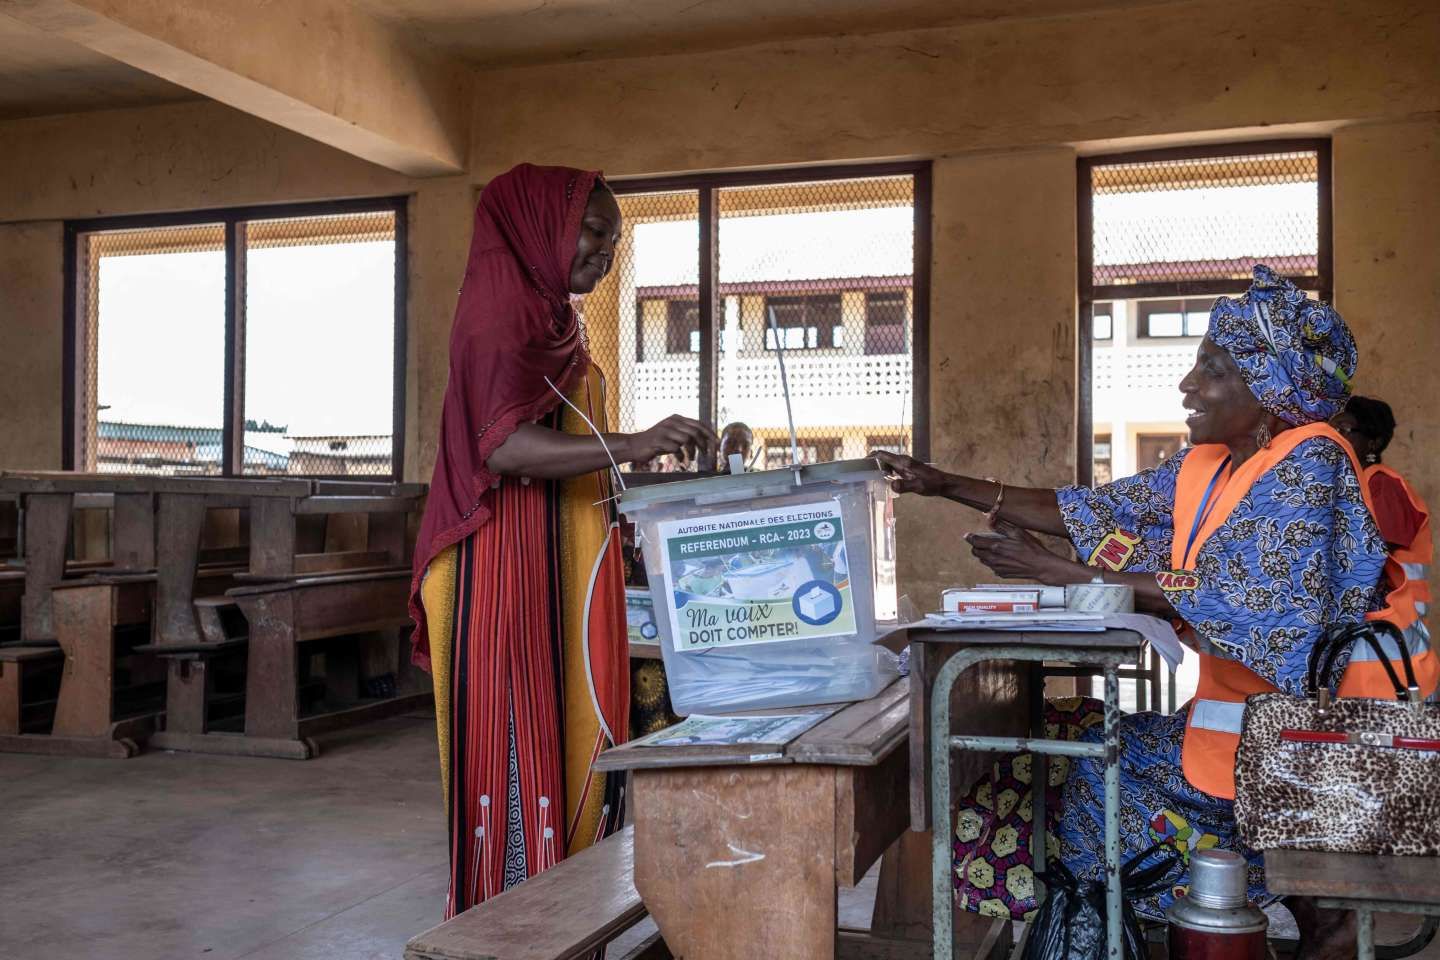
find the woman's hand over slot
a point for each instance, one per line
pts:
(908, 475)
(681, 436)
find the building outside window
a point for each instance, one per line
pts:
(1101, 454)
(886, 319)
(1173, 318)
(805, 323)
(1103, 322)
(682, 326)
(777, 451)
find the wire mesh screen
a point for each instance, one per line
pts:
(821, 272)
(1207, 218)
(830, 260)
(319, 322)
(151, 350)
(1168, 236)
(314, 346)
(643, 320)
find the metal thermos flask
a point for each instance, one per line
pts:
(1214, 920)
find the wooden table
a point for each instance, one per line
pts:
(1365, 883)
(739, 849)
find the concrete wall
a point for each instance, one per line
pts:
(31, 393)
(1002, 108)
(1387, 272)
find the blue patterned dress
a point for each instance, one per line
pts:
(1299, 552)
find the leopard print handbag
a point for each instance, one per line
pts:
(1350, 775)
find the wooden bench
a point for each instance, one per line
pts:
(12, 589)
(287, 535)
(89, 615)
(18, 666)
(1365, 883)
(357, 619)
(564, 913)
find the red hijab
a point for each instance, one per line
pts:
(514, 326)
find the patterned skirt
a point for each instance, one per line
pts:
(993, 867)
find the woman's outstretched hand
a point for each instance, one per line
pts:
(908, 475)
(1014, 554)
(681, 436)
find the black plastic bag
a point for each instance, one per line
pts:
(1070, 924)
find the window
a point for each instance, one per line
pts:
(1103, 321)
(1162, 233)
(805, 323)
(840, 254)
(885, 322)
(777, 452)
(1174, 318)
(682, 326)
(300, 372)
(1153, 449)
(887, 444)
(1101, 456)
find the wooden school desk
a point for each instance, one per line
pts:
(739, 850)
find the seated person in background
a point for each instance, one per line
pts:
(736, 438)
(1401, 515)
(1254, 541)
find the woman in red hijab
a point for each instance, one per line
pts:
(518, 594)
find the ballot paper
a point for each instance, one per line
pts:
(698, 729)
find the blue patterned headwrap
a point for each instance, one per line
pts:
(1296, 354)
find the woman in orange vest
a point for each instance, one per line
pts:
(1253, 541)
(1402, 516)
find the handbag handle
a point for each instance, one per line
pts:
(1339, 638)
(1140, 881)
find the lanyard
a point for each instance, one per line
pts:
(1203, 513)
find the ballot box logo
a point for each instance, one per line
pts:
(817, 603)
(758, 576)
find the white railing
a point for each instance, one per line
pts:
(825, 390)
(1140, 383)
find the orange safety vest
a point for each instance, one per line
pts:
(1416, 557)
(1212, 729)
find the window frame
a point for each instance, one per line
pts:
(707, 187)
(233, 220)
(1145, 310)
(1109, 315)
(1322, 281)
(810, 318)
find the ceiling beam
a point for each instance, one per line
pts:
(322, 68)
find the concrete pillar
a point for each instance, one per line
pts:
(1387, 232)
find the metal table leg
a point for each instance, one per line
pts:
(1365, 946)
(1365, 934)
(1112, 813)
(942, 743)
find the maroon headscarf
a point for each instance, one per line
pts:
(514, 326)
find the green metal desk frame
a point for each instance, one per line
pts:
(1109, 651)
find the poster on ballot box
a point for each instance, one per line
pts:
(758, 576)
